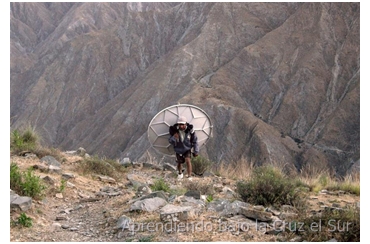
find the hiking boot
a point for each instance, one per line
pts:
(180, 176)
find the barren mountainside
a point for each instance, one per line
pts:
(280, 81)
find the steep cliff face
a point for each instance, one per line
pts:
(280, 81)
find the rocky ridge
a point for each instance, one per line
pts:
(99, 208)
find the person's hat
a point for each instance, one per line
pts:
(181, 120)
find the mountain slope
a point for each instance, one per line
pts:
(280, 81)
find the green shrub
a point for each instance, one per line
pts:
(209, 198)
(269, 187)
(200, 165)
(24, 220)
(160, 185)
(32, 184)
(62, 186)
(26, 183)
(15, 178)
(26, 140)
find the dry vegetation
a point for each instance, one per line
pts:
(268, 186)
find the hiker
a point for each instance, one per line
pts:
(183, 139)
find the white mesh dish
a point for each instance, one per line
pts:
(158, 129)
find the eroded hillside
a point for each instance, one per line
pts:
(280, 81)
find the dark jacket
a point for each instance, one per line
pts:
(190, 140)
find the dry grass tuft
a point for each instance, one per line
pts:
(236, 170)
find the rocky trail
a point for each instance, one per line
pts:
(94, 208)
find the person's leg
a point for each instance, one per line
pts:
(179, 167)
(179, 160)
(188, 163)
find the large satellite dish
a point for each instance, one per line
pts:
(158, 130)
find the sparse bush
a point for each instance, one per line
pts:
(26, 140)
(44, 151)
(205, 188)
(209, 198)
(62, 186)
(32, 185)
(24, 220)
(350, 187)
(178, 190)
(200, 165)
(240, 169)
(268, 186)
(160, 185)
(25, 183)
(341, 224)
(15, 178)
(325, 181)
(147, 238)
(343, 186)
(101, 166)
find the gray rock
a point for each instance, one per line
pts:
(20, 202)
(152, 166)
(48, 180)
(50, 160)
(194, 194)
(160, 194)
(68, 176)
(56, 226)
(233, 208)
(54, 169)
(109, 191)
(143, 190)
(123, 222)
(106, 179)
(217, 205)
(193, 202)
(126, 162)
(256, 214)
(170, 167)
(172, 213)
(226, 208)
(148, 205)
(81, 152)
(135, 181)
